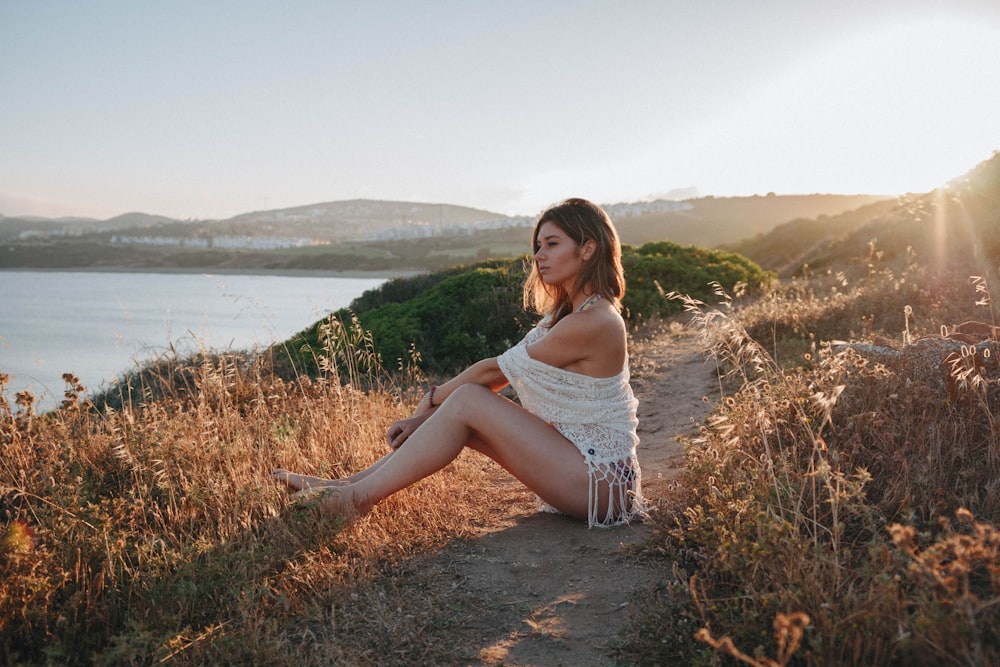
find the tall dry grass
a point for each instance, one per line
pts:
(149, 531)
(849, 501)
(873, 300)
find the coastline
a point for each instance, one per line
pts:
(289, 273)
(102, 322)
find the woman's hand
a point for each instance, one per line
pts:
(402, 429)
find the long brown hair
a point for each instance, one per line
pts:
(581, 221)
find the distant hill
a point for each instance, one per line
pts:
(351, 220)
(14, 228)
(713, 221)
(377, 235)
(331, 221)
(953, 228)
(706, 221)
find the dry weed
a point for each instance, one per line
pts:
(150, 531)
(799, 484)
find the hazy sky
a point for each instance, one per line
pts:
(208, 109)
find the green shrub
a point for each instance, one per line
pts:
(661, 267)
(455, 317)
(446, 320)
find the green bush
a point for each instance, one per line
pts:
(661, 267)
(465, 317)
(450, 319)
(455, 317)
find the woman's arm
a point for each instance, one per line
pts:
(486, 373)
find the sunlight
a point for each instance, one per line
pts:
(893, 110)
(955, 230)
(923, 96)
(940, 227)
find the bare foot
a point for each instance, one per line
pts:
(336, 501)
(298, 482)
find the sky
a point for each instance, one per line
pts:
(211, 108)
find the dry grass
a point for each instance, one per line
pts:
(826, 492)
(152, 533)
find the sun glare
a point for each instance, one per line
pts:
(920, 98)
(889, 112)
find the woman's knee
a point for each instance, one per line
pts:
(469, 395)
(472, 405)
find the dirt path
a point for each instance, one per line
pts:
(547, 590)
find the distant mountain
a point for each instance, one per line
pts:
(130, 220)
(707, 221)
(349, 220)
(325, 222)
(713, 221)
(13, 228)
(379, 235)
(955, 227)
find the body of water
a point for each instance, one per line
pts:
(101, 325)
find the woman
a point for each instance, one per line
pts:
(573, 441)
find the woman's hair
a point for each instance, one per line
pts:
(582, 221)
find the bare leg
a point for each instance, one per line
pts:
(529, 448)
(299, 482)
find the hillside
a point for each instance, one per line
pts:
(330, 221)
(953, 228)
(375, 235)
(710, 222)
(352, 220)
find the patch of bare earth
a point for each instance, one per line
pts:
(541, 589)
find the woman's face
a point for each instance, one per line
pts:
(557, 257)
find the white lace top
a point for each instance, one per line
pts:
(598, 415)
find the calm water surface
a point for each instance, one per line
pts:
(100, 325)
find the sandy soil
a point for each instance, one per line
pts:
(546, 589)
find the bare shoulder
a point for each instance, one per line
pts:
(592, 342)
(609, 327)
(601, 321)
